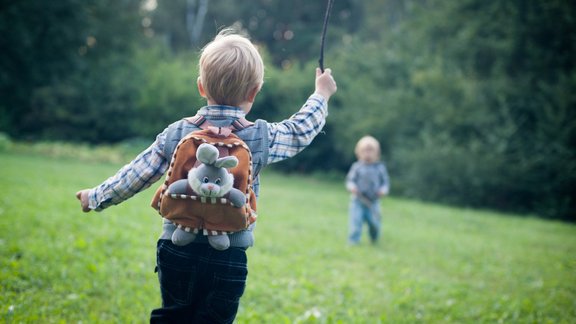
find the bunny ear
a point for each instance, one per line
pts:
(207, 154)
(226, 162)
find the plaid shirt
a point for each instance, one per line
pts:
(285, 138)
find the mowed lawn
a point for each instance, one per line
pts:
(435, 264)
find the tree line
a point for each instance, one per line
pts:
(472, 101)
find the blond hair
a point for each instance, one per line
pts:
(367, 149)
(230, 67)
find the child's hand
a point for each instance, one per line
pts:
(382, 193)
(82, 195)
(325, 84)
(351, 187)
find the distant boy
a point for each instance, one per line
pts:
(198, 283)
(368, 182)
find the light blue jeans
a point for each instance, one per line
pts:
(360, 214)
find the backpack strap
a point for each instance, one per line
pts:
(197, 120)
(241, 123)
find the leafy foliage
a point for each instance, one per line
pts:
(45, 44)
(289, 29)
(472, 101)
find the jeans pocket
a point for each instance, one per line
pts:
(225, 299)
(177, 273)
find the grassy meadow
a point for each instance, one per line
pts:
(435, 264)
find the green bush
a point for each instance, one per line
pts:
(5, 142)
(472, 101)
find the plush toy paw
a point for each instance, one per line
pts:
(219, 242)
(237, 198)
(178, 187)
(181, 237)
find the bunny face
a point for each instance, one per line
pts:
(210, 181)
(211, 178)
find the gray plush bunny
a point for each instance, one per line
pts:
(211, 179)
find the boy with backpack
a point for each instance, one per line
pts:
(200, 284)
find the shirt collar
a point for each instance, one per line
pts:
(221, 111)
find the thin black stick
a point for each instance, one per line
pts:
(326, 18)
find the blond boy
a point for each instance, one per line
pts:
(198, 283)
(368, 182)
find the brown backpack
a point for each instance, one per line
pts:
(211, 216)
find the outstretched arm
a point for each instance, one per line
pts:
(134, 177)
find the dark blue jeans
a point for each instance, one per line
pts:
(198, 283)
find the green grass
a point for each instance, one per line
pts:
(434, 264)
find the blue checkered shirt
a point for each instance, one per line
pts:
(285, 139)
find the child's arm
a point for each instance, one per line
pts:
(385, 180)
(139, 174)
(351, 179)
(289, 137)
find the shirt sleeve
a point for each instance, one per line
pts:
(291, 136)
(139, 174)
(385, 179)
(351, 177)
